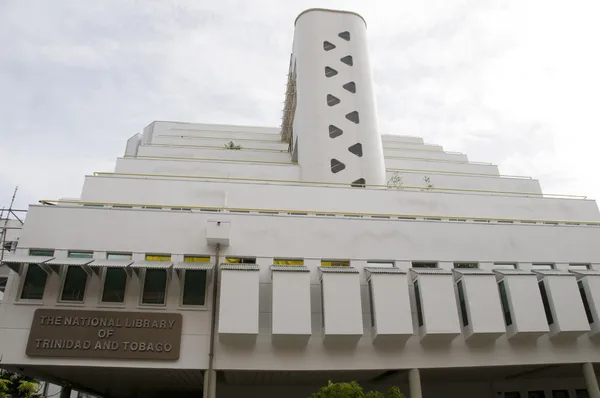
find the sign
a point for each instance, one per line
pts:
(104, 334)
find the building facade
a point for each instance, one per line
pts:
(237, 260)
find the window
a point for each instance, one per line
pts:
(371, 304)
(586, 304)
(536, 394)
(418, 302)
(287, 261)
(336, 166)
(380, 264)
(353, 117)
(115, 284)
(581, 394)
(466, 265)
(35, 283)
(240, 260)
(194, 287)
(118, 256)
(335, 131)
(155, 286)
(158, 257)
(335, 263)
(579, 267)
(542, 266)
(560, 394)
(350, 86)
(196, 259)
(547, 309)
(41, 252)
(424, 265)
(332, 100)
(356, 149)
(74, 284)
(505, 266)
(463, 304)
(504, 303)
(80, 254)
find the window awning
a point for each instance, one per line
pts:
(14, 261)
(239, 267)
(342, 270)
(104, 263)
(69, 261)
(289, 268)
(385, 270)
(193, 265)
(97, 265)
(151, 264)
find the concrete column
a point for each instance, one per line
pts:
(210, 384)
(414, 383)
(591, 382)
(65, 392)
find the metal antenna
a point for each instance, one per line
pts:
(12, 201)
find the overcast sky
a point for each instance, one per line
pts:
(516, 83)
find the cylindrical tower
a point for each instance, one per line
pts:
(335, 132)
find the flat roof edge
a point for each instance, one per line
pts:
(329, 10)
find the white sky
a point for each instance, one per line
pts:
(516, 83)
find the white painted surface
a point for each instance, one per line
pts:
(440, 315)
(250, 195)
(483, 307)
(391, 306)
(567, 308)
(526, 307)
(591, 285)
(238, 303)
(313, 116)
(342, 305)
(291, 303)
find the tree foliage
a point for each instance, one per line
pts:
(14, 385)
(353, 390)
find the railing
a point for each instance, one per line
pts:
(318, 213)
(346, 185)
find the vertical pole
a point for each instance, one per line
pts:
(414, 383)
(591, 382)
(65, 392)
(210, 385)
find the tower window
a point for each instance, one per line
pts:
(335, 131)
(330, 72)
(360, 183)
(351, 86)
(356, 149)
(332, 100)
(327, 46)
(353, 117)
(345, 35)
(546, 302)
(347, 60)
(337, 166)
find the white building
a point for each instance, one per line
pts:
(336, 253)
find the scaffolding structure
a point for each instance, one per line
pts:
(11, 222)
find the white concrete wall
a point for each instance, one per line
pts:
(322, 237)
(273, 143)
(131, 149)
(391, 306)
(567, 307)
(434, 155)
(291, 303)
(17, 317)
(236, 194)
(238, 303)
(216, 168)
(433, 165)
(526, 306)
(313, 116)
(343, 315)
(184, 153)
(438, 303)
(483, 305)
